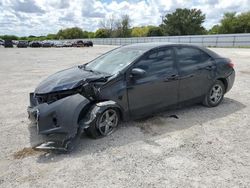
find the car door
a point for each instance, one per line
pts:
(196, 70)
(158, 87)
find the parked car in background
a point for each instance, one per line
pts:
(88, 43)
(8, 44)
(58, 44)
(15, 42)
(78, 43)
(47, 44)
(35, 44)
(67, 44)
(128, 82)
(22, 44)
(1, 42)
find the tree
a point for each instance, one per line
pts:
(228, 23)
(9, 37)
(108, 25)
(102, 33)
(139, 31)
(51, 36)
(91, 34)
(155, 31)
(232, 23)
(71, 33)
(125, 26)
(243, 25)
(214, 29)
(117, 27)
(184, 22)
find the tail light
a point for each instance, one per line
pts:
(230, 64)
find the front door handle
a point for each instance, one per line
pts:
(186, 76)
(172, 77)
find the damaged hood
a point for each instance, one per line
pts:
(66, 80)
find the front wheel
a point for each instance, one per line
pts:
(105, 124)
(215, 94)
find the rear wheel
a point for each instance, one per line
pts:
(215, 94)
(105, 124)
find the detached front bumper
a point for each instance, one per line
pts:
(59, 117)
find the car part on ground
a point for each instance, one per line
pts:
(127, 83)
(60, 117)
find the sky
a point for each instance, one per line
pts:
(40, 17)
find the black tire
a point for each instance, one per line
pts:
(215, 94)
(96, 131)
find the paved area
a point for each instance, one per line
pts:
(205, 147)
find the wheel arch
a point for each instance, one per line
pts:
(91, 113)
(111, 104)
(224, 81)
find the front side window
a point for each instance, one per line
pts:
(157, 63)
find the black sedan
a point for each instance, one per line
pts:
(22, 44)
(35, 44)
(8, 43)
(88, 43)
(129, 82)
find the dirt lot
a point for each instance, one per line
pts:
(205, 147)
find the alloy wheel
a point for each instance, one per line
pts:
(216, 94)
(108, 122)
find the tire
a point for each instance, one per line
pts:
(100, 127)
(215, 94)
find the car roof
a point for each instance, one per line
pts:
(152, 45)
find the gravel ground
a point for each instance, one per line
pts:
(205, 147)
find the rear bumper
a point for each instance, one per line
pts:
(58, 117)
(230, 81)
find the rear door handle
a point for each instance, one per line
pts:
(210, 67)
(187, 76)
(172, 77)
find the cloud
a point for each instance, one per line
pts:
(93, 9)
(27, 6)
(40, 17)
(69, 17)
(59, 4)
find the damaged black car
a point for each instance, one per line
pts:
(128, 82)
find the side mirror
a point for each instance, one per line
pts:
(137, 72)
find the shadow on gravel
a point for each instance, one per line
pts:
(147, 129)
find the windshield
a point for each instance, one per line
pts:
(114, 61)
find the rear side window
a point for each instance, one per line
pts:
(188, 56)
(157, 63)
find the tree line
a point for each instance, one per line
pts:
(181, 22)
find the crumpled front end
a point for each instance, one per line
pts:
(59, 117)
